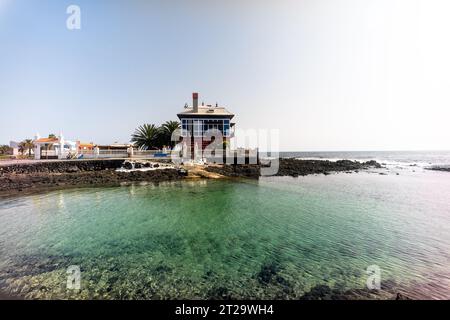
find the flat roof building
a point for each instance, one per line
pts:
(200, 122)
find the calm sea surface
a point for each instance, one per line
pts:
(279, 237)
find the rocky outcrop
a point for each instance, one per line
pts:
(240, 170)
(294, 168)
(439, 168)
(144, 164)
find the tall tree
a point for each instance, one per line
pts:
(146, 136)
(26, 144)
(5, 149)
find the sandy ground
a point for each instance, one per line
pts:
(197, 171)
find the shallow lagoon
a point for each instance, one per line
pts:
(280, 237)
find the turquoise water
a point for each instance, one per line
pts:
(279, 237)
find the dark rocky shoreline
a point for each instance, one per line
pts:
(237, 171)
(18, 178)
(439, 168)
(295, 167)
(67, 166)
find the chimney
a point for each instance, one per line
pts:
(195, 102)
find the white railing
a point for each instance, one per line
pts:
(145, 153)
(85, 154)
(49, 153)
(231, 156)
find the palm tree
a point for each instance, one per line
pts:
(52, 136)
(167, 130)
(146, 136)
(5, 149)
(26, 144)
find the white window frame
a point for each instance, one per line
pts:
(198, 124)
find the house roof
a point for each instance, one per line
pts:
(115, 146)
(206, 111)
(46, 140)
(85, 144)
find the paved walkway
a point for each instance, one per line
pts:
(15, 161)
(28, 161)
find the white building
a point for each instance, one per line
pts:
(53, 147)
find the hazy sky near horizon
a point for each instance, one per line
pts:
(329, 74)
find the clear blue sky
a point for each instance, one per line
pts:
(330, 74)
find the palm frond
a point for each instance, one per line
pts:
(146, 136)
(167, 130)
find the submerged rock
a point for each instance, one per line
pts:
(399, 296)
(318, 292)
(267, 272)
(219, 293)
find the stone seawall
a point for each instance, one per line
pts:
(28, 177)
(67, 166)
